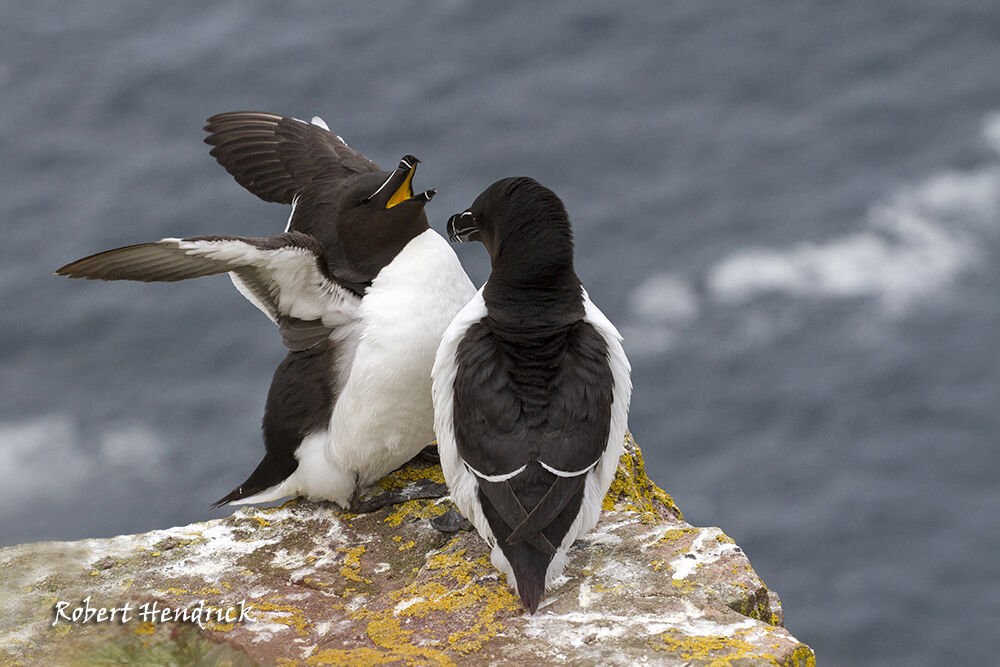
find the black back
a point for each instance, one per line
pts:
(533, 383)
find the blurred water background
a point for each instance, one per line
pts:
(790, 209)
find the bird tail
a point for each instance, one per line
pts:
(265, 483)
(529, 539)
(530, 567)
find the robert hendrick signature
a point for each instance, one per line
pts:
(150, 612)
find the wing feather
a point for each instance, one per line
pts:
(286, 276)
(276, 157)
(531, 452)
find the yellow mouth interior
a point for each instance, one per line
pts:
(404, 191)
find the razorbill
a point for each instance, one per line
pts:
(359, 284)
(531, 389)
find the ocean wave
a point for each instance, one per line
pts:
(658, 310)
(915, 243)
(47, 457)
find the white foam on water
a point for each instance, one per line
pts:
(45, 457)
(914, 244)
(659, 308)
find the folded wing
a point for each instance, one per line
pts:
(530, 436)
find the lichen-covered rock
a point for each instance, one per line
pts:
(321, 586)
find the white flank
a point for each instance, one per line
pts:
(462, 480)
(599, 479)
(314, 478)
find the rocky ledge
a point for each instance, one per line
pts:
(319, 586)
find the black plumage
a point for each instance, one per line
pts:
(277, 158)
(299, 402)
(349, 220)
(533, 389)
(361, 215)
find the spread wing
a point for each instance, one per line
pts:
(286, 276)
(276, 157)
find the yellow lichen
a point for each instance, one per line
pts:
(713, 649)
(220, 627)
(802, 656)
(352, 563)
(373, 656)
(415, 509)
(674, 534)
(685, 586)
(411, 473)
(204, 590)
(395, 643)
(452, 586)
(145, 628)
(632, 490)
(314, 582)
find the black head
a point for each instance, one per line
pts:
(386, 191)
(378, 213)
(522, 224)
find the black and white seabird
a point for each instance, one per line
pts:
(531, 389)
(359, 284)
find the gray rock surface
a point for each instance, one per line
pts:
(320, 586)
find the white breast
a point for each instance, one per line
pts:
(384, 415)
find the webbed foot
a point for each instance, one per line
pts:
(451, 522)
(416, 491)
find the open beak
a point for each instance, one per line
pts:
(462, 228)
(404, 192)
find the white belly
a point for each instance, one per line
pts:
(384, 414)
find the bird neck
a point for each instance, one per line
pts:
(533, 311)
(371, 245)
